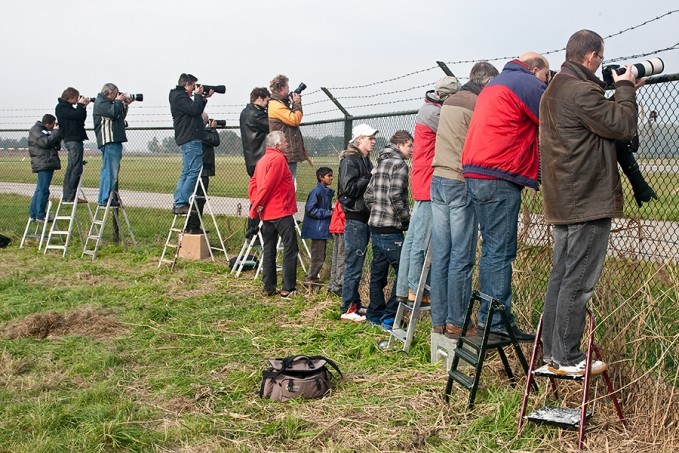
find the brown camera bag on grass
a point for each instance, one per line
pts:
(297, 376)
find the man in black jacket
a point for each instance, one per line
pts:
(43, 146)
(254, 125)
(209, 141)
(72, 124)
(188, 133)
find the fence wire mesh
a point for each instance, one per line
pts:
(635, 302)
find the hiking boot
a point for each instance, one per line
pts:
(578, 369)
(269, 292)
(352, 314)
(438, 330)
(426, 300)
(453, 332)
(289, 294)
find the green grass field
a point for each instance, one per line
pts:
(116, 355)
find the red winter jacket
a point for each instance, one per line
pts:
(426, 125)
(272, 187)
(338, 219)
(502, 141)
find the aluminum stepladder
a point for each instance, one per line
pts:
(99, 223)
(40, 228)
(568, 418)
(403, 329)
(61, 234)
(473, 349)
(193, 208)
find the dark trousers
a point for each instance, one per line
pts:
(73, 170)
(386, 253)
(271, 230)
(317, 260)
(194, 221)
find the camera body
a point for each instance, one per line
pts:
(299, 89)
(221, 89)
(646, 68)
(220, 123)
(92, 99)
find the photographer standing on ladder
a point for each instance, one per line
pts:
(44, 139)
(188, 133)
(72, 123)
(110, 110)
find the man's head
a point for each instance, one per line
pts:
(482, 73)
(404, 142)
(446, 86)
(587, 48)
(363, 138)
(110, 91)
(49, 121)
(279, 86)
(324, 176)
(260, 96)
(276, 139)
(537, 64)
(188, 81)
(70, 95)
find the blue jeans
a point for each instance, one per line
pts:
(73, 170)
(386, 253)
(496, 205)
(356, 237)
(192, 161)
(454, 235)
(579, 254)
(414, 249)
(111, 153)
(41, 195)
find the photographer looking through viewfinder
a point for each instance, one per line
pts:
(285, 115)
(110, 110)
(188, 133)
(71, 112)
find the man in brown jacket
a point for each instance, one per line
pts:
(581, 190)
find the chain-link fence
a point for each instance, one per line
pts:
(635, 302)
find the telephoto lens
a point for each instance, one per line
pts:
(134, 97)
(300, 88)
(92, 99)
(221, 89)
(220, 123)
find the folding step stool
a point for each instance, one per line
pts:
(181, 231)
(99, 223)
(64, 235)
(473, 350)
(569, 418)
(39, 230)
(403, 329)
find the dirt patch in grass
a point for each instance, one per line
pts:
(91, 322)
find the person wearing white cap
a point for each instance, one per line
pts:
(355, 171)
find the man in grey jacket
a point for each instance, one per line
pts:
(110, 110)
(581, 190)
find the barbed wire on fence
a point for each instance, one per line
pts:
(645, 54)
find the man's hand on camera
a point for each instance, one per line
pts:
(120, 97)
(83, 100)
(198, 90)
(213, 124)
(296, 97)
(627, 75)
(209, 93)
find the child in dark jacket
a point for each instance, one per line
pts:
(316, 224)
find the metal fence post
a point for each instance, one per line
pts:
(348, 119)
(445, 68)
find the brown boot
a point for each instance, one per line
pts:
(438, 329)
(452, 331)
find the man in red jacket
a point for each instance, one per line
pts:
(499, 158)
(272, 197)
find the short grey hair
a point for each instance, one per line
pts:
(108, 88)
(274, 139)
(482, 72)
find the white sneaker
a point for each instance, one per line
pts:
(353, 316)
(597, 367)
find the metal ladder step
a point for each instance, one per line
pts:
(467, 356)
(564, 417)
(462, 379)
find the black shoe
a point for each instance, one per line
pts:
(518, 333)
(196, 231)
(181, 210)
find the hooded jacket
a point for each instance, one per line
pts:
(502, 141)
(577, 137)
(286, 116)
(426, 125)
(317, 213)
(109, 120)
(254, 125)
(186, 115)
(43, 147)
(354, 176)
(387, 193)
(272, 187)
(71, 121)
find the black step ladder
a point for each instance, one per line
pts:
(408, 311)
(180, 232)
(564, 417)
(65, 216)
(39, 228)
(473, 349)
(93, 239)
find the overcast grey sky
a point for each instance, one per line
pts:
(143, 46)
